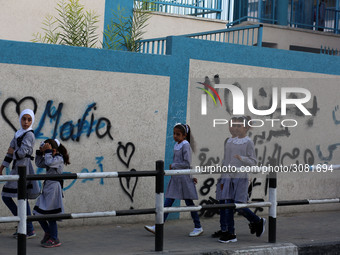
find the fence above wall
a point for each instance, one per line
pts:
(201, 8)
(329, 51)
(247, 35)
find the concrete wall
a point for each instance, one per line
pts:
(286, 37)
(20, 18)
(162, 25)
(111, 106)
(282, 37)
(275, 144)
(142, 96)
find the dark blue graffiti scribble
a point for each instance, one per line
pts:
(99, 163)
(54, 115)
(207, 162)
(208, 213)
(69, 130)
(260, 139)
(331, 148)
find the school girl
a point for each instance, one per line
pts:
(233, 187)
(52, 156)
(20, 152)
(182, 186)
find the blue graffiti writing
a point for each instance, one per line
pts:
(85, 170)
(98, 161)
(69, 130)
(54, 115)
(331, 148)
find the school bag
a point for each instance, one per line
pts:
(33, 189)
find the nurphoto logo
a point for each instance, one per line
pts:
(239, 103)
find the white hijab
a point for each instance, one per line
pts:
(21, 131)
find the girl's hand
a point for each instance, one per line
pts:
(1, 168)
(238, 157)
(195, 180)
(170, 167)
(10, 151)
(45, 147)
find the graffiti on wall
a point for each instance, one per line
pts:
(69, 130)
(269, 147)
(50, 125)
(125, 154)
(208, 187)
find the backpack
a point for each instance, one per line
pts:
(21, 138)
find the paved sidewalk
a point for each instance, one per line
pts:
(309, 233)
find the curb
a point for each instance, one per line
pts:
(330, 248)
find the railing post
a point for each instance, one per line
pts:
(22, 207)
(159, 205)
(336, 26)
(259, 11)
(282, 12)
(272, 208)
(259, 36)
(219, 6)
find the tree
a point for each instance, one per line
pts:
(125, 32)
(74, 26)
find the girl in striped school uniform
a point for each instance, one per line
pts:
(20, 152)
(233, 187)
(52, 156)
(182, 186)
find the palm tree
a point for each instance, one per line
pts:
(74, 26)
(125, 32)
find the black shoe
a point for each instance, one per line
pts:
(260, 227)
(227, 238)
(45, 239)
(252, 227)
(217, 234)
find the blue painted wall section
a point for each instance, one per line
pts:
(111, 6)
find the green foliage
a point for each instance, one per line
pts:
(74, 26)
(125, 32)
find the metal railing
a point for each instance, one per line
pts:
(329, 51)
(153, 46)
(301, 14)
(159, 209)
(247, 35)
(254, 10)
(198, 8)
(301, 18)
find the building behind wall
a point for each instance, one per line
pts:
(288, 24)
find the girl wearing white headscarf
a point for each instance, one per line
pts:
(20, 152)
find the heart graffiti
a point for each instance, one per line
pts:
(17, 108)
(125, 154)
(129, 185)
(128, 152)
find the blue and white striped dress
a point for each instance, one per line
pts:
(181, 186)
(235, 185)
(51, 199)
